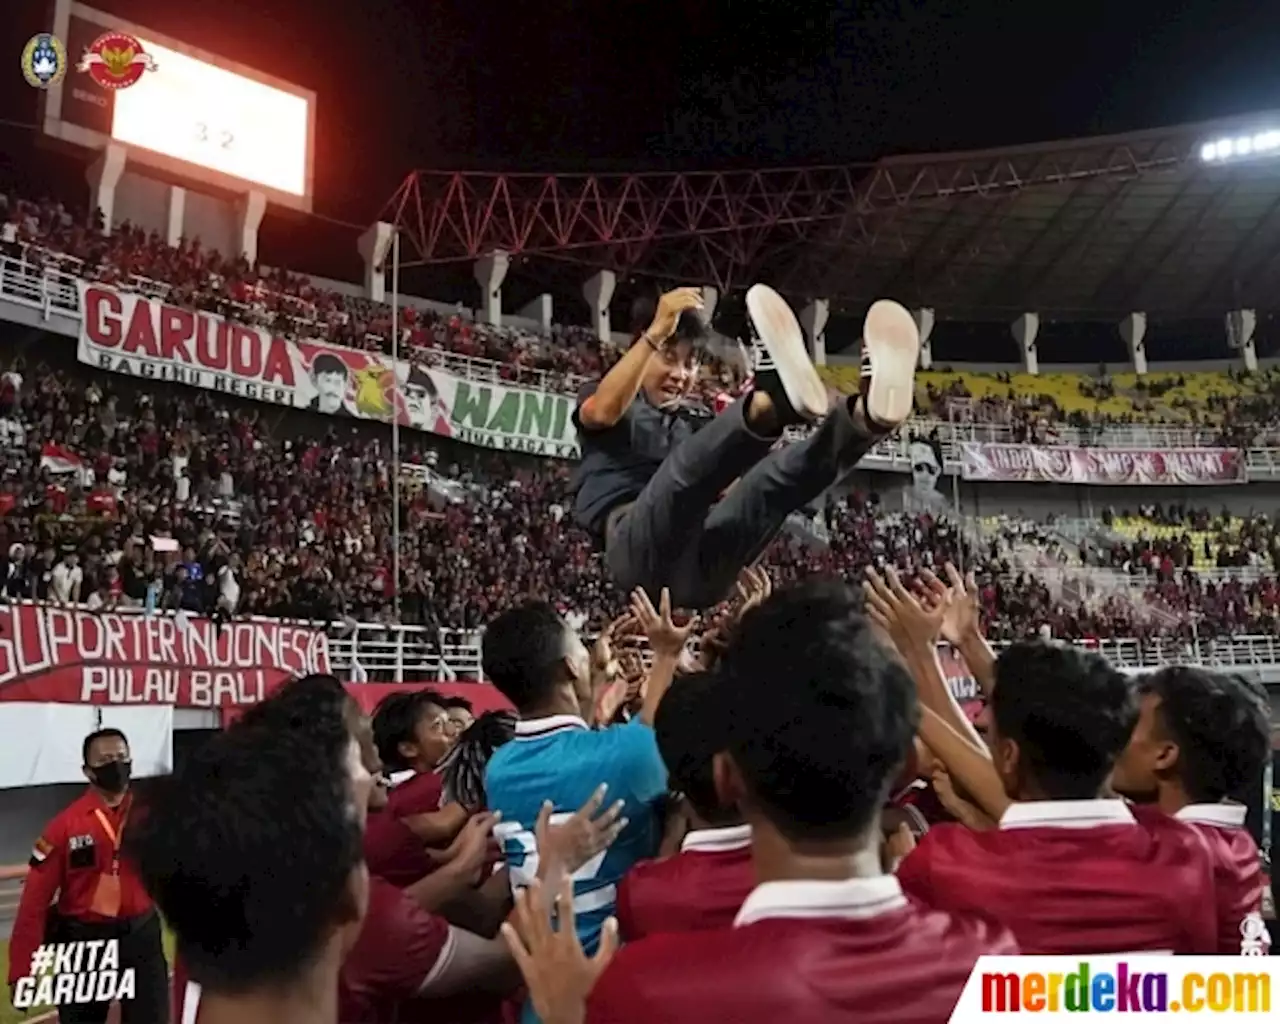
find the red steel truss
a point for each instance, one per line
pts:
(724, 228)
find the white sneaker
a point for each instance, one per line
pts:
(890, 351)
(782, 367)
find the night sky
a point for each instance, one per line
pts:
(633, 84)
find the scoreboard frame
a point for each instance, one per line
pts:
(56, 126)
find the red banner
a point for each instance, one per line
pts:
(1102, 466)
(64, 656)
(483, 696)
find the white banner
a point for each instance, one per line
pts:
(129, 334)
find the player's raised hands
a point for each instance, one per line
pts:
(752, 589)
(563, 847)
(961, 621)
(666, 639)
(913, 626)
(556, 970)
(671, 306)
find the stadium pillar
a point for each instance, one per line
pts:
(1133, 331)
(813, 318)
(925, 319)
(175, 214)
(1024, 331)
(710, 299)
(598, 291)
(1241, 324)
(490, 272)
(249, 212)
(374, 246)
(540, 309)
(104, 175)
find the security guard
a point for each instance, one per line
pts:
(79, 888)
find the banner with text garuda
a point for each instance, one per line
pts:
(130, 334)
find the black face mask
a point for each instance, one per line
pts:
(113, 776)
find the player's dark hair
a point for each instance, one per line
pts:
(1221, 724)
(522, 650)
(315, 701)
(690, 327)
(457, 702)
(100, 734)
(823, 714)
(689, 727)
(249, 846)
(463, 767)
(1069, 711)
(395, 721)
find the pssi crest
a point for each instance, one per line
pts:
(116, 60)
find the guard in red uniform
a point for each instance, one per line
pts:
(77, 860)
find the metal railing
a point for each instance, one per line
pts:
(402, 655)
(55, 291)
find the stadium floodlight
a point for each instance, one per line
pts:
(1227, 148)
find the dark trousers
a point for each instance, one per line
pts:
(140, 948)
(678, 535)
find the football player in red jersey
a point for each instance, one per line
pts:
(704, 885)
(413, 735)
(1068, 870)
(1201, 738)
(263, 823)
(411, 965)
(819, 723)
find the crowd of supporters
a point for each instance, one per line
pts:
(1231, 408)
(181, 500)
(692, 844)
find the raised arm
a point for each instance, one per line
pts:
(618, 389)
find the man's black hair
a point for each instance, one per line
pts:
(1221, 724)
(100, 734)
(521, 652)
(689, 727)
(464, 765)
(457, 702)
(326, 362)
(395, 721)
(313, 702)
(1069, 711)
(690, 327)
(248, 847)
(823, 714)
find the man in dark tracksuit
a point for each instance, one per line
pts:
(660, 494)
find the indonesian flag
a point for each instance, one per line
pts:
(59, 460)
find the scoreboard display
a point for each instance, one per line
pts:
(195, 116)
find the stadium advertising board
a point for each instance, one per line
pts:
(67, 656)
(130, 334)
(1102, 466)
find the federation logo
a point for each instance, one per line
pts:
(116, 60)
(44, 61)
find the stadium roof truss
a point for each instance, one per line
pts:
(1079, 229)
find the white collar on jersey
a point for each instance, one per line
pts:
(536, 728)
(717, 840)
(1222, 815)
(1066, 814)
(854, 899)
(399, 778)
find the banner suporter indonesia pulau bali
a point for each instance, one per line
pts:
(68, 656)
(130, 334)
(1101, 466)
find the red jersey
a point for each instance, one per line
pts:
(804, 952)
(1075, 877)
(76, 849)
(415, 793)
(393, 852)
(1237, 868)
(401, 948)
(703, 886)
